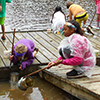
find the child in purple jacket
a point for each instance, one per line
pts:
(23, 53)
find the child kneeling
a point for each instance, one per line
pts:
(23, 53)
(76, 50)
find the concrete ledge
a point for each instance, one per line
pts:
(5, 71)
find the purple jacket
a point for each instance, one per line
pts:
(30, 48)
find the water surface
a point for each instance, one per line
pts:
(42, 90)
(27, 15)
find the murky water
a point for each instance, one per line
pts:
(36, 14)
(42, 90)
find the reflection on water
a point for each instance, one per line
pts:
(42, 90)
(36, 14)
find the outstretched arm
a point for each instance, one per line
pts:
(72, 61)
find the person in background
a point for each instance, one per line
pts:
(97, 2)
(79, 14)
(2, 16)
(58, 19)
(76, 50)
(23, 53)
(0, 8)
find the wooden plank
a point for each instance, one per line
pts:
(41, 58)
(7, 44)
(42, 49)
(45, 44)
(57, 35)
(2, 49)
(35, 62)
(94, 40)
(90, 87)
(19, 36)
(48, 39)
(10, 37)
(1, 63)
(54, 37)
(60, 36)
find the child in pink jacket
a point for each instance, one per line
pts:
(76, 50)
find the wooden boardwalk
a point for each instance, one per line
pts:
(83, 88)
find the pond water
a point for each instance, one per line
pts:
(42, 90)
(27, 15)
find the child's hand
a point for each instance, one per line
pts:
(11, 57)
(49, 65)
(20, 67)
(55, 63)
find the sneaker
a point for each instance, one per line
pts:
(89, 30)
(3, 38)
(74, 74)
